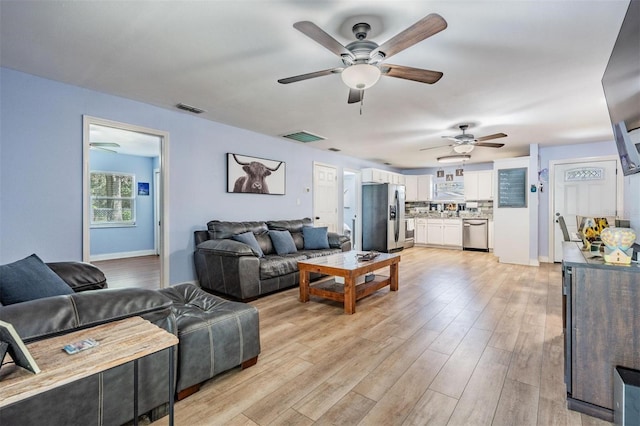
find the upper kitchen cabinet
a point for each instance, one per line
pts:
(411, 187)
(419, 187)
(425, 187)
(478, 185)
(382, 176)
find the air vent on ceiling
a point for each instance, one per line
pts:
(304, 136)
(334, 149)
(190, 108)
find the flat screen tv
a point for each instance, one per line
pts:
(621, 84)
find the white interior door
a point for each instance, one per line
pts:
(325, 196)
(582, 189)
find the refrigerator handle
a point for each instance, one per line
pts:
(396, 226)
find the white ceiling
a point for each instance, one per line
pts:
(530, 69)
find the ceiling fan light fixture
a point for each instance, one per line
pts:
(453, 158)
(463, 149)
(360, 76)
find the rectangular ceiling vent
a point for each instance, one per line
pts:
(190, 108)
(334, 149)
(304, 137)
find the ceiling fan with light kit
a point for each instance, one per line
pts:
(363, 59)
(465, 142)
(104, 146)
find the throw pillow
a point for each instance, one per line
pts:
(283, 242)
(29, 279)
(249, 239)
(315, 238)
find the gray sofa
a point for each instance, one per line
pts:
(215, 335)
(233, 269)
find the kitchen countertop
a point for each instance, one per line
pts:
(447, 216)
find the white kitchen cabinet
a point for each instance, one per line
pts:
(381, 176)
(375, 176)
(411, 187)
(421, 231)
(478, 185)
(425, 187)
(444, 232)
(452, 232)
(435, 235)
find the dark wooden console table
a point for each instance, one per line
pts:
(601, 319)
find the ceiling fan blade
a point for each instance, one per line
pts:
(494, 136)
(434, 147)
(111, 144)
(310, 75)
(355, 96)
(489, 144)
(318, 35)
(424, 28)
(409, 73)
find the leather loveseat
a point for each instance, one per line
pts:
(215, 335)
(235, 270)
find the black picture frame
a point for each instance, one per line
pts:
(254, 175)
(16, 348)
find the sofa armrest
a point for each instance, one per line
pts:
(339, 241)
(226, 247)
(228, 267)
(79, 276)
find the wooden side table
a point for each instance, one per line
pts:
(120, 342)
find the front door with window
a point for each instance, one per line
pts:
(582, 189)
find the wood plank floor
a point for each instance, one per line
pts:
(465, 341)
(142, 271)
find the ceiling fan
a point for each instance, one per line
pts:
(104, 146)
(465, 143)
(363, 59)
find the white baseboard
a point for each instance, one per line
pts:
(544, 259)
(123, 255)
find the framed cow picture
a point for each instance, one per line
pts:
(252, 175)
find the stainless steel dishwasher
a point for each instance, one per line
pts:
(475, 234)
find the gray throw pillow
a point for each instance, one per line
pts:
(315, 238)
(29, 279)
(283, 242)
(249, 239)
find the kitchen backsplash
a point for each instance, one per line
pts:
(449, 208)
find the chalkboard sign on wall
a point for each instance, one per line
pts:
(512, 188)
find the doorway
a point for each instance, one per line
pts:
(581, 187)
(325, 196)
(351, 183)
(116, 142)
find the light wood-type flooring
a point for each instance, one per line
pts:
(465, 341)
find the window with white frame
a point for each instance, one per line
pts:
(113, 201)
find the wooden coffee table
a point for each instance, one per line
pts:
(346, 265)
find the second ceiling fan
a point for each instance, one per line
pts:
(363, 59)
(465, 143)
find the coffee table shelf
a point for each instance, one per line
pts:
(347, 266)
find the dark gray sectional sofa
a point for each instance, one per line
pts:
(233, 269)
(215, 335)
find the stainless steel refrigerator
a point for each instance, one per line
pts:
(383, 217)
